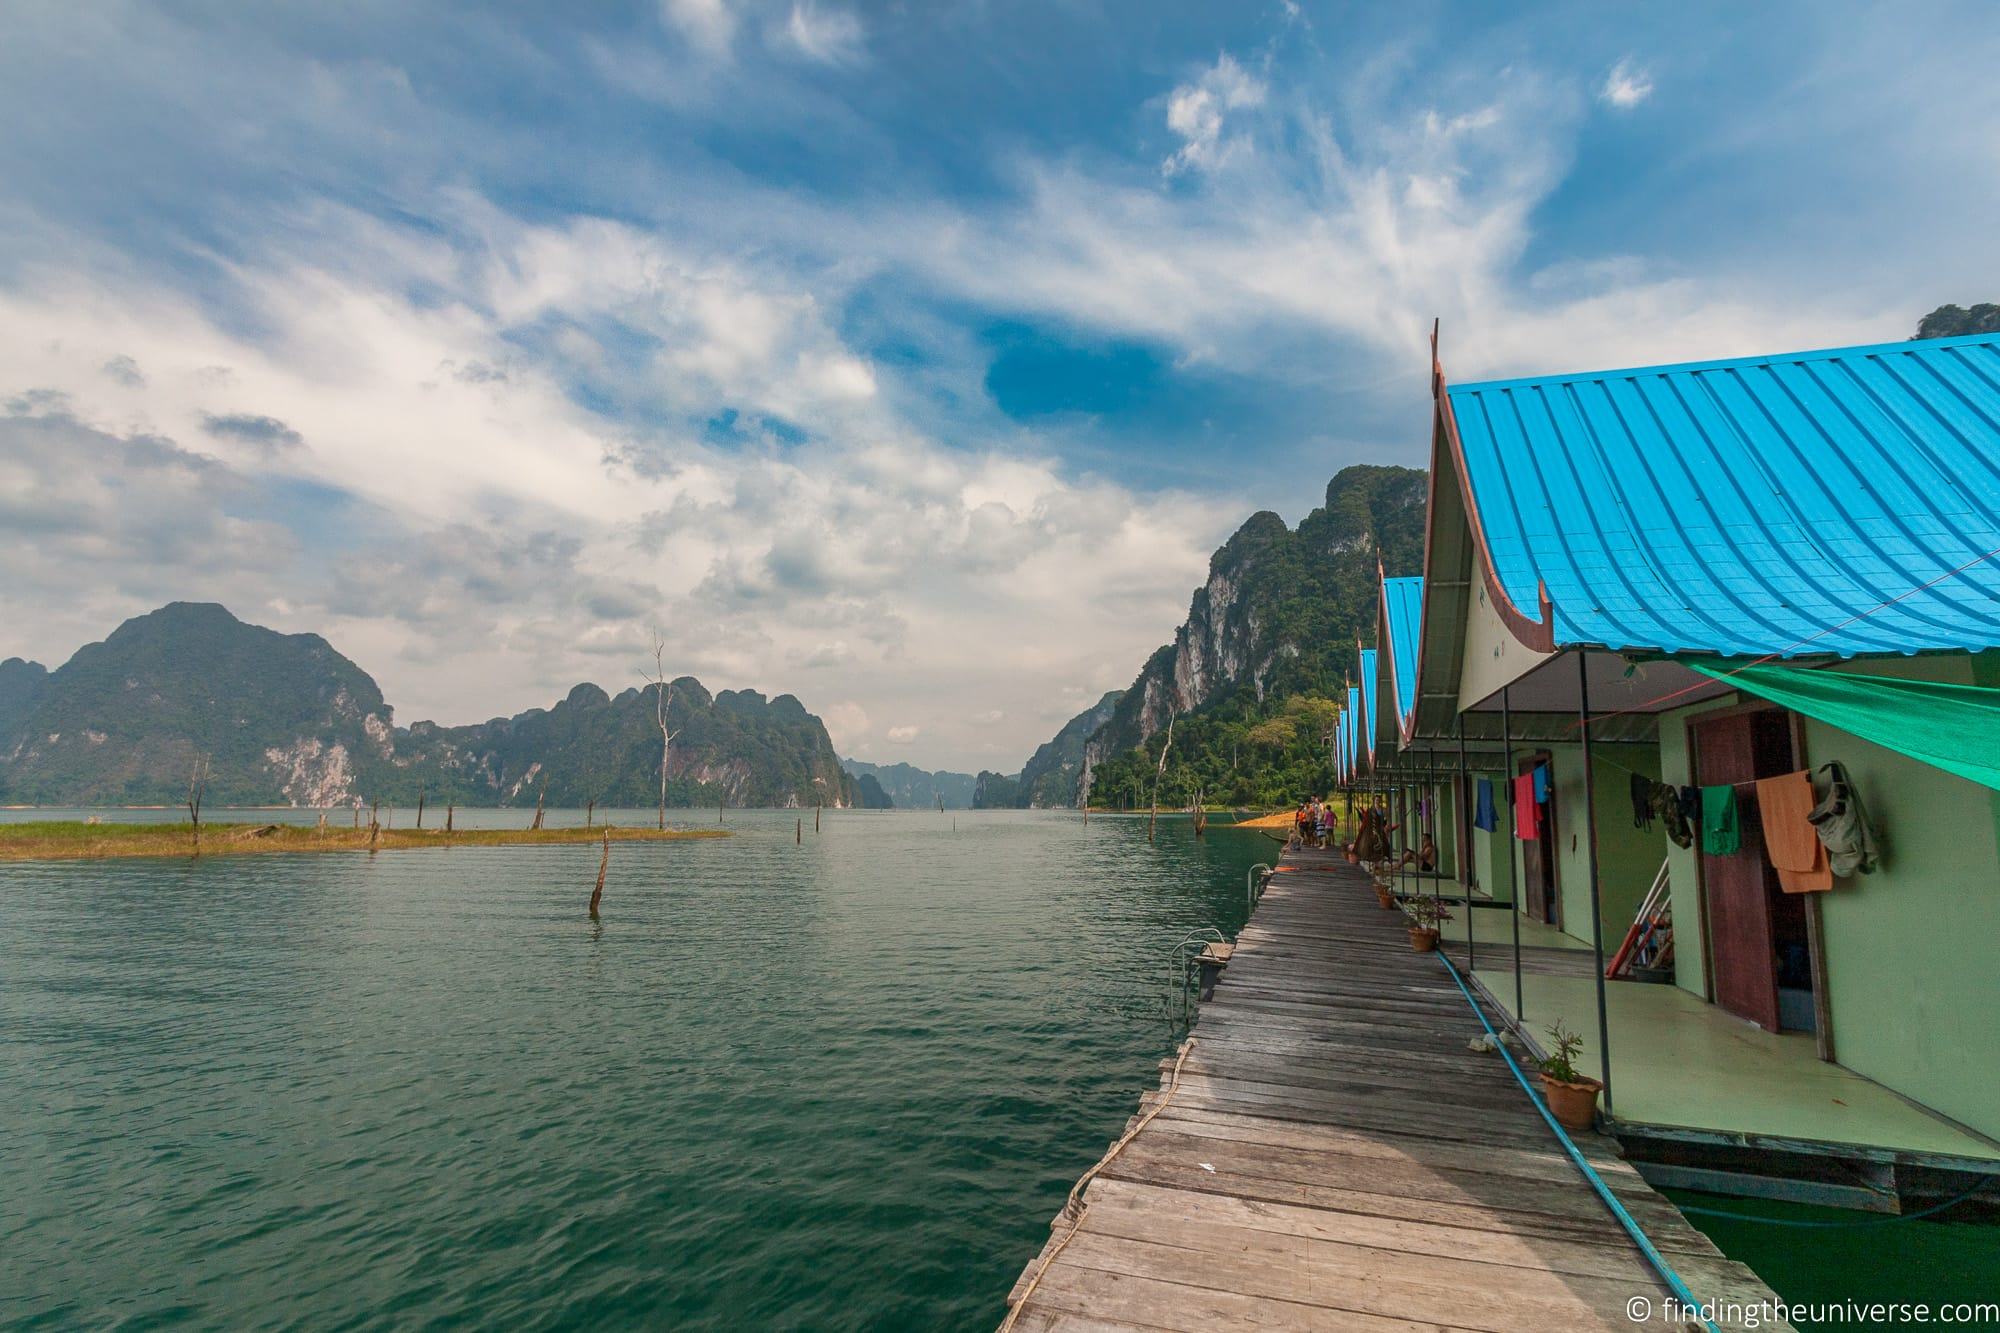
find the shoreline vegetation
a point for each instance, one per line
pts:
(78, 840)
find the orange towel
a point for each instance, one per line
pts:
(1789, 840)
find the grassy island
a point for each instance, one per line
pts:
(77, 840)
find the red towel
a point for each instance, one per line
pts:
(1527, 812)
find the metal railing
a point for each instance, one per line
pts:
(1184, 968)
(1253, 886)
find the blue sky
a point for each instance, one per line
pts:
(907, 357)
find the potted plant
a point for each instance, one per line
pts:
(1572, 1097)
(1384, 890)
(1425, 915)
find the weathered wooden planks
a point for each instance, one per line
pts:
(1335, 1157)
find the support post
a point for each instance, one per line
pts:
(1462, 848)
(1514, 870)
(1596, 906)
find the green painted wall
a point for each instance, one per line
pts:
(1627, 857)
(1910, 949)
(1493, 853)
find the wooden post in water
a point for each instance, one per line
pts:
(540, 797)
(420, 805)
(799, 835)
(603, 864)
(816, 810)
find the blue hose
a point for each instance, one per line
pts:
(1666, 1270)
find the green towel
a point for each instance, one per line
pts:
(1721, 835)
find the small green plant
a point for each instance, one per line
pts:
(1427, 913)
(1564, 1046)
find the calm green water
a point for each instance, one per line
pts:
(837, 1085)
(1859, 1257)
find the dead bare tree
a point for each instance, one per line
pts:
(1153, 818)
(197, 789)
(541, 798)
(449, 811)
(603, 864)
(663, 702)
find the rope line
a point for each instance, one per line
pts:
(1921, 1213)
(1632, 1228)
(1071, 1206)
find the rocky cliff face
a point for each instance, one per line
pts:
(284, 719)
(1054, 776)
(1280, 609)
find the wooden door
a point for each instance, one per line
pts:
(1538, 857)
(1742, 960)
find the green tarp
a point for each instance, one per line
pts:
(1955, 727)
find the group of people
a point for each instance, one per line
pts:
(1374, 840)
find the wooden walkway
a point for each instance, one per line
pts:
(1336, 1157)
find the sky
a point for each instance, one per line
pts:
(910, 358)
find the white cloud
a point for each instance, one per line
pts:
(1196, 113)
(452, 518)
(709, 24)
(1626, 86)
(828, 36)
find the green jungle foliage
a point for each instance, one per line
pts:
(1952, 321)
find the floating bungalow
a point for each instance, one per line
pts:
(1668, 619)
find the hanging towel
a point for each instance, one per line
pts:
(1842, 825)
(1785, 805)
(1527, 813)
(1642, 801)
(1541, 783)
(1483, 816)
(1720, 833)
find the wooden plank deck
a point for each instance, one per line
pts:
(1336, 1157)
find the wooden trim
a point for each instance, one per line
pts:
(1539, 637)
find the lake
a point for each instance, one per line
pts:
(838, 1084)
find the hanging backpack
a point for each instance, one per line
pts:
(1842, 825)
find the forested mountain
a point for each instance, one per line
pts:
(1053, 775)
(996, 791)
(1251, 678)
(21, 684)
(1951, 321)
(912, 788)
(285, 719)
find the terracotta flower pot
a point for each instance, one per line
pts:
(1574, 1105)
(1385, 898)
(1424, 939)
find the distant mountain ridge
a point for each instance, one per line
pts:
(912, 788)
(286, 719)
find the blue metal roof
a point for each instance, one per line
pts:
(1352, 718)
(1364, 741)
(1403, 603)
(1750, 506)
